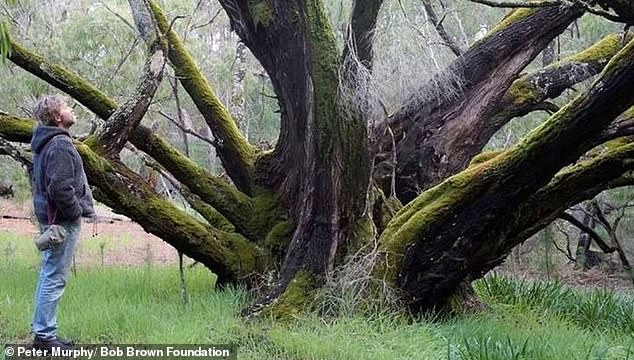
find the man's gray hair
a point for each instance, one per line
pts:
(47, 108)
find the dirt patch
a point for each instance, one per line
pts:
(115, 240)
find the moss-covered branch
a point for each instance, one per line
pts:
(235, 152)
(242, 211)
(229, 255)
(63, 79)
(608, 169)
(16, 129)
(548, 83)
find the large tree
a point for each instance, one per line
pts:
(333, 186)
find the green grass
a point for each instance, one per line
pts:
(144, 305)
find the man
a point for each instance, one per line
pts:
(60, 196)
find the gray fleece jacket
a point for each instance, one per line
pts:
(58, 177)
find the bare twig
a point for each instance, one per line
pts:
(547, 3)
(593, 234)
(189, 131)
(451, 44)
(519, 4)
(208, 22)
(567, 252)
(119, 16)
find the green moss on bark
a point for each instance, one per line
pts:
(295, 298)
(261, 12)
(16, 129)
(601, 51)
(417, 218)
(512, 17)
(484, 157)
(279, 237)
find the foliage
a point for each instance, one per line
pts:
(597, 309)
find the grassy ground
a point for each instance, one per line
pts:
(144, 305)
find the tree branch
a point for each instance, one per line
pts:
(519, 4)
(622, 127)
(625, 17)
(186, 130)
(582, 181)
(120, 125)
(124, 20)
(361, 31)
(16, 129)
(6, 148)
(566, 252)
(128, 116)
(593, 234)
(229, 255)
(213, 217)
(448, 40)
(550, 82)
(236, 154)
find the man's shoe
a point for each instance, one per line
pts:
(44, 344)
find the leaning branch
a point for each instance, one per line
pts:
(235, 152)
(519, 4)
(572, 185)
(550, 82)
(440, 28)
(229, 255)
(15, 128)
(128, 116)
(621, 127)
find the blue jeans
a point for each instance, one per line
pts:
(50, 286)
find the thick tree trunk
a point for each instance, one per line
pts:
(322, 154)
